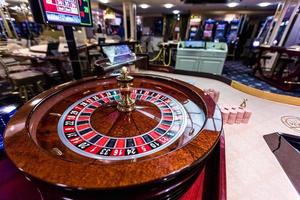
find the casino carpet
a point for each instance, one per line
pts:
(13, 184)
(235, 70)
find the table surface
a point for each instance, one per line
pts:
(28, 54)
(25, 52)
(253, 172)
(62, 48)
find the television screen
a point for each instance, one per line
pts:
(67, 12)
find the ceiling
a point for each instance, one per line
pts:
(156, 6)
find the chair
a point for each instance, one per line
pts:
(28, 82)
(10, 61)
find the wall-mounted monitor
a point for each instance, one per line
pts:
(66, 12)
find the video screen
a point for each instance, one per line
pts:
(118, 54)
(207, 34)
(69, 12)
(209, 27)
(221, 26)
(232, 36)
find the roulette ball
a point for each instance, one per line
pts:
(133, 136)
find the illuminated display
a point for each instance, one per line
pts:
(118, 54)
(72, 12)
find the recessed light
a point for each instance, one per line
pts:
(168, 5)
(176, 12)
(232, 4)
(264, 4)
(103, 1)
(144, 6)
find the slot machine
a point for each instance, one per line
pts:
(232, 34)
(209, 28)
(221, 30)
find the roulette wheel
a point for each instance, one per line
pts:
(126, 137)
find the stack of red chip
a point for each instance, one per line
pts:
(235, 115)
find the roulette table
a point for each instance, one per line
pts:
(125, 137)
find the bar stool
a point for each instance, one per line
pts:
(27, 83)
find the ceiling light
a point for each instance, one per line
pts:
(144, 6)
(232, 4)
(168, 5)
(176, 12)
(109, 14)
(103, 1)
(264, 4)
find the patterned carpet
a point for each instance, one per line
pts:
(6, 112)
(235, 70)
